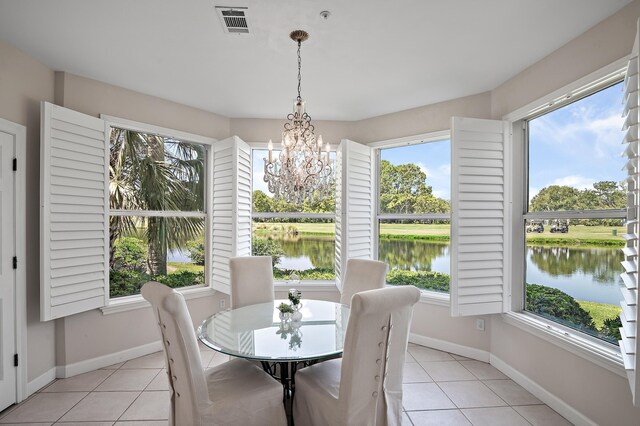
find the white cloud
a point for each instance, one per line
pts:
(574, 181)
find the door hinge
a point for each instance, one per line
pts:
(15, 262)
(15, 164)
(15, 360)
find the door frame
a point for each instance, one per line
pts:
(19, 133)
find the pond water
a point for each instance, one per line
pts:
(591, 274)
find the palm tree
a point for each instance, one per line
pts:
(155, 173)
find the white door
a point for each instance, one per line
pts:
(8, 394)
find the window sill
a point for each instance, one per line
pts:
(130, 303)
(311, 285)
(433, 298)
(599, 353)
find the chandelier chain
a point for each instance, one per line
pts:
(299, 71)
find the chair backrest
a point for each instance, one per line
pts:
(362, 275)
(251, 280)
(189, 395)
(374, 352)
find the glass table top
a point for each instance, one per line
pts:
(256, 331)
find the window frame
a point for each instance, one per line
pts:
(308, 285)
(135, 301)
(441, 299)
(581, 344)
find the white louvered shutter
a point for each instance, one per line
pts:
(231, 215)
(480, 240)
(74, 215)
(629, 316)
(355, 204)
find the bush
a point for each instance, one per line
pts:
(551, 302)
(309, 274)
(196, 251)
(181, 279)
(611, 328)
(130, 254)
(126, 283)
(267, 247)
(426, 280)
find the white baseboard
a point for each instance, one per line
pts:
(41, 381)
(454, 348)
(69, 370)
(567, 411)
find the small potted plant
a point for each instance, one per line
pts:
(285, 311)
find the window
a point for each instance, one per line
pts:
(157, 211)
(414, 214)
(574, 215)
(301, 239)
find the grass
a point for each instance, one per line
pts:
(600, 311)
(173, 267)
(578, 235)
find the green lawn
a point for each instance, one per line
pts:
(578, 234)
(173, 267)
(600, 311)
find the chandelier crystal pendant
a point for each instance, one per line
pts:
(302, 171)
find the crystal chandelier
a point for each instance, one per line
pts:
(301, 171)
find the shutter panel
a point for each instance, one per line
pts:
(629, 316)
(480, 239)
(74, 212)
(231, 214)
(355, 204)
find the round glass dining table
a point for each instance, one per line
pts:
(256, 332)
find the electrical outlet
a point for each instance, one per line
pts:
(223, 303)
(480, 324)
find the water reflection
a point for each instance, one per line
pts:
(415, 255)
(601, 264)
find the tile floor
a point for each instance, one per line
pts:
(439, 389)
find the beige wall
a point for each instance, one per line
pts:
(25, 82)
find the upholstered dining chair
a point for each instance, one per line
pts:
(362, 275)
(234, 393)
(251, 280)
(365, 386)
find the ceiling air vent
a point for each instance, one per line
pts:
(234, 19)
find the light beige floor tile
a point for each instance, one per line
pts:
(408, 358)
(159, 383)
(414, 373)
(128, 380)
(494, 416)
(207, 355)
(35, 424)
(43, 407)
(439, 418)
(447, 371)
(84, 424)
(114, 366)
(149, 406)
(218, 359)
(542, 415)
(482, 370)
(143, 423)
(460, 357)
(405, 420)
(420, 353)
(471, 394)
(101, 406)
(82, 382)
(154, 360)
(511, 392)
(424, 396)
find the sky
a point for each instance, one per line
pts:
(578, 144)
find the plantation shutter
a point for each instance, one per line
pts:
(355, 204)
(231, 208)
(629, 316)
(479, 234)
(74, 212)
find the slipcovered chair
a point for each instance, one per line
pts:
(362, 275)
(365, 386)
(251, 280)
(234, 393)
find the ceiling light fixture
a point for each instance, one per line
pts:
(301, 171)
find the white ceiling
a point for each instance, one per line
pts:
(369, 58)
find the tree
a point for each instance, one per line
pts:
(555, 197)
(150, 172)
(611, 194)
(262, 202)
